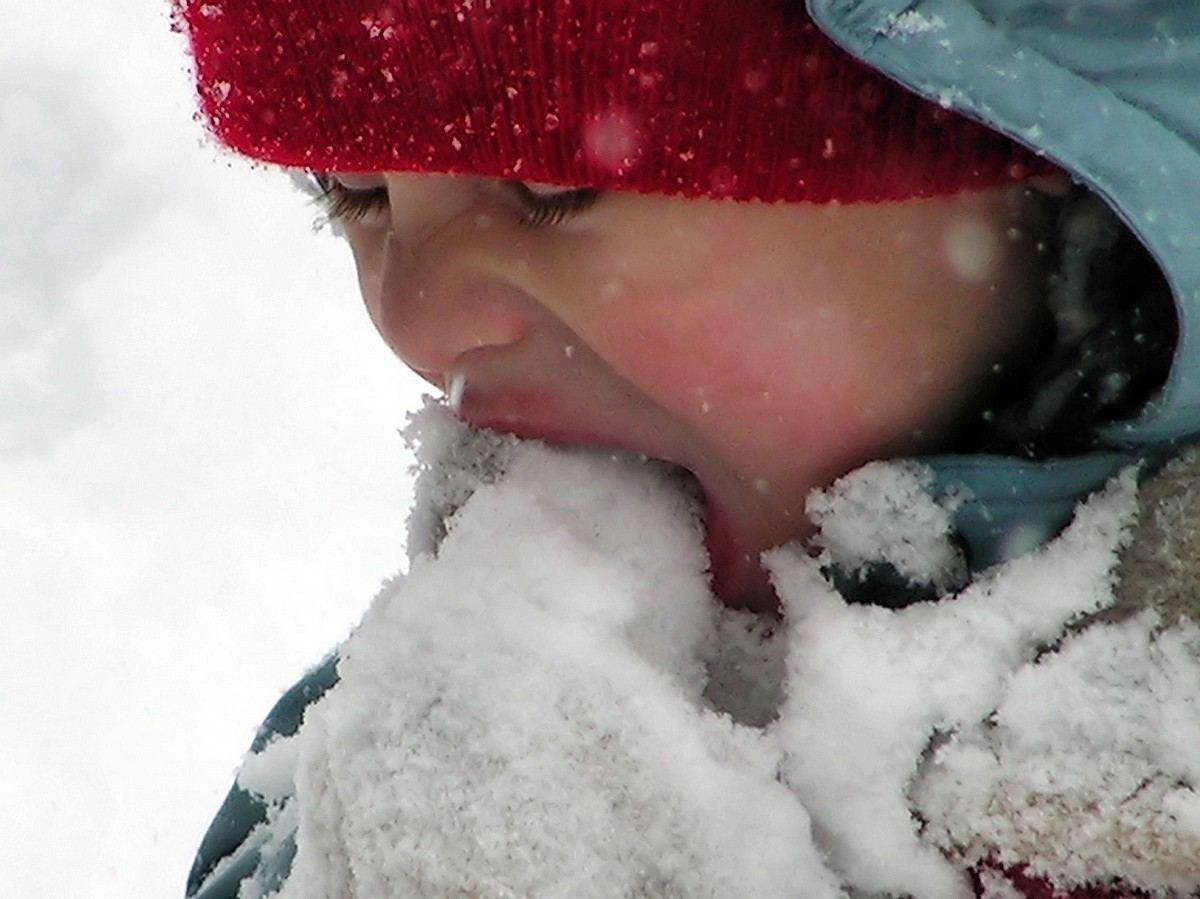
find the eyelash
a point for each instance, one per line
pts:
(540, 210)
(546, 210)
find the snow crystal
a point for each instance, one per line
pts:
(912, 22)
(451, 464)
(268, 772)
(612, 141)
(746, 668)
(885, 513)
(612, 289)
(997, 886)
(972, 248)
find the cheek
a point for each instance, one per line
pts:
(765, 373)
(680, 343)
(369, 248)
(742, 363)
(685, 319)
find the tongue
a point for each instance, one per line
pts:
(739, 581)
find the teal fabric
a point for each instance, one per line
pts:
(242, 845)
(1110, 90)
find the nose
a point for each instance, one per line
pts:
(439, 292)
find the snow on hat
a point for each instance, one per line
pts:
(701, 98)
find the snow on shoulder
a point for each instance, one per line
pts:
(541, 707)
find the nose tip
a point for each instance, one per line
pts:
(431, 314)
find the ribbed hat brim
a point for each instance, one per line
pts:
(703, 98)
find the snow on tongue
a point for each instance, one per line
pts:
(523, 714)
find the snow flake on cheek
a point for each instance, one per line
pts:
(972, 250)
(612, 289)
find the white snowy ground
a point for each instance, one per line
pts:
(200, 481)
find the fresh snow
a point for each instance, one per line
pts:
(912, 22)
(885, 514)
(523, 714)
(543, 706)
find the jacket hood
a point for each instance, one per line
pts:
(1107, 91)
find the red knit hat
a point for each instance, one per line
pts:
(715, 98)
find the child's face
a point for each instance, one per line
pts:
(767, 349)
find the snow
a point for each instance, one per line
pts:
(972, 249)
(884, 513)
(550, 703)
(523, 715)
(1105, 728)
(912, 22)
(869, 689)
(201, 485)
(612, 140)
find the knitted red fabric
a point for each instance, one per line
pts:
(992, 880)
(708, 98)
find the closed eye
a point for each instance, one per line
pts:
(546, 205)
(541, 205)
(344, 204)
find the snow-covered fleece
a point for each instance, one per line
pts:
(551, 704)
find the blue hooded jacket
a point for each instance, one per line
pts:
(1108, 89)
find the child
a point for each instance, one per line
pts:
(711, 236)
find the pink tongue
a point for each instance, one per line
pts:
(738, 578)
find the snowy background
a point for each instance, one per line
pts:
(201, 484)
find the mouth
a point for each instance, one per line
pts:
(738, 579)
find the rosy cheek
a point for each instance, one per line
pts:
(701, 367)
(770, 395)
(692, 356)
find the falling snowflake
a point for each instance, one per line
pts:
(612, 141)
